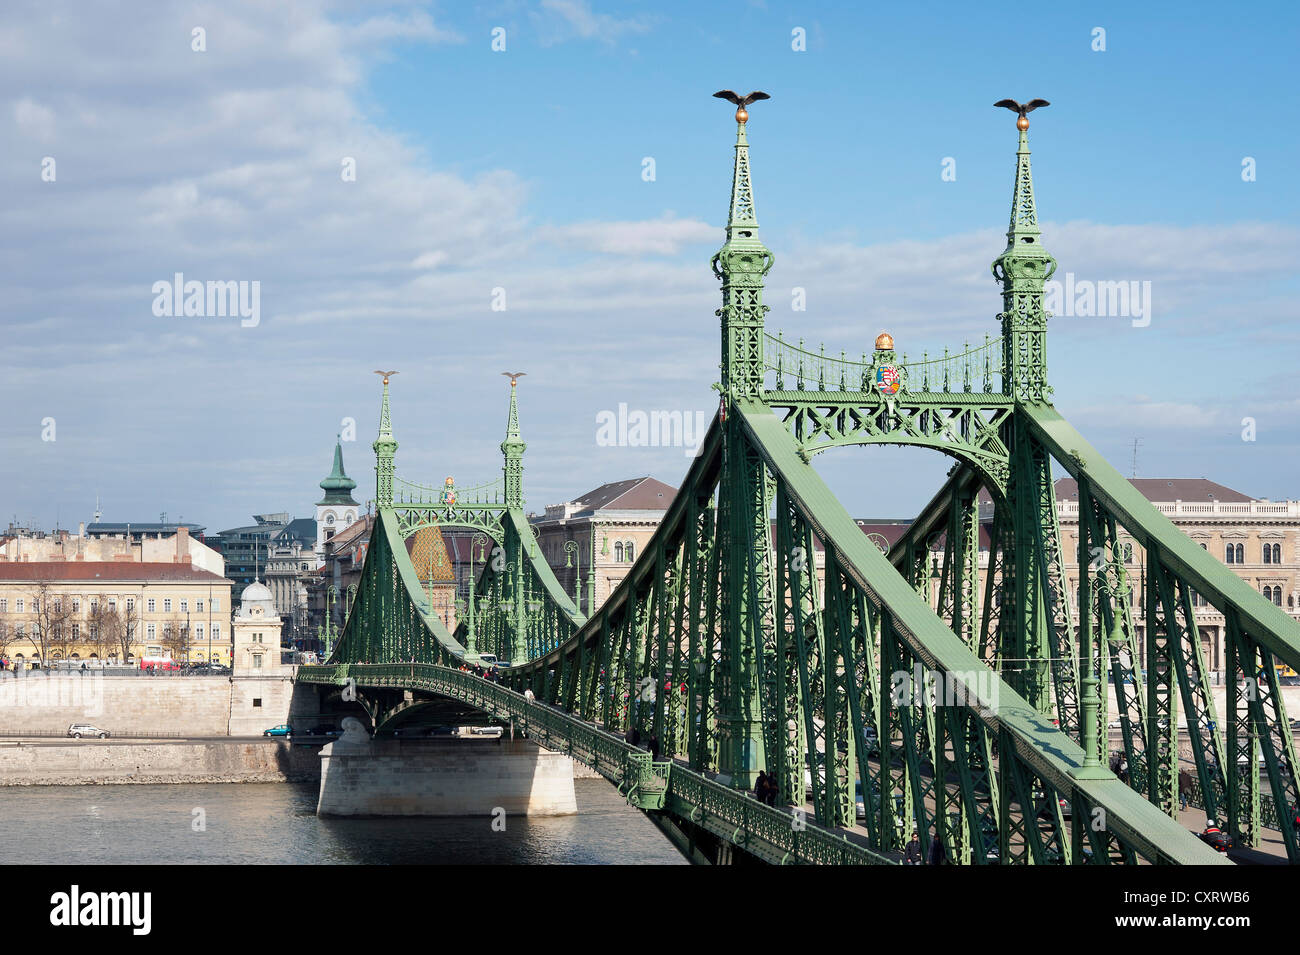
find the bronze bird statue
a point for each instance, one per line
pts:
(514, 376)
(742, 114)
(1022, 109)
(386, 374)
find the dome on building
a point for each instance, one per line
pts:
(256, 601)
(255, 591)
(884, 342)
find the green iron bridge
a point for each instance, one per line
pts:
(982, 724)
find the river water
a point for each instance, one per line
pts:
(249, 823)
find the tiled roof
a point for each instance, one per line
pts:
(634, 494)
(1165, 490)
(93, 571)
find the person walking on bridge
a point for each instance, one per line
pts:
(913, 856)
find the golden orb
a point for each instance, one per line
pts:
(884, 342)
(742, 115)
(1022, 122)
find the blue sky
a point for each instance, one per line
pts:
(522, 170)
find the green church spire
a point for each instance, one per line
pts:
(385, 447)
(513, 448)
(1023, 268)
(337, 486)
(741, 265)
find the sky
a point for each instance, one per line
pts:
(387, 177)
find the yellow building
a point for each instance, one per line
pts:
(112, 612)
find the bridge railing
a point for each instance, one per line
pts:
(654, 785)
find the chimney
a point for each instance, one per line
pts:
(182, 545)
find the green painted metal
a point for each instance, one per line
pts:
(981, 726)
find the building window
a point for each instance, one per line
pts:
(94, 604)
(257, 701)
(1241, 559)
(1277, 596)
(19, 604)
(4, 605)
(1229, 557)
(216, 631)
(1277, 553)
(629, 551)
(257, 661)
(1268, 554)
(151, 605)
(76, 605)
(198, 632)
(618, 554)
(112, 605)
(130, 604)
(1128, 553)
(198, 606)
(58, 604)
(151, 630)
(216, 604)
(167, 605)
(76, 631)
(185, 606)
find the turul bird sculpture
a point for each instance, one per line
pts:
(742, 114)
(386, 374)
(514, 376)
(1022, 109)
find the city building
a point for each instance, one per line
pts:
(330, 591)
(1258, 539)
(93, 543)
(142, 530)
(247, 550)
(610, 523)
(116, 611)
(256, 635)
(336, 510)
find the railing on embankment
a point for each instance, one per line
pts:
(655, 786)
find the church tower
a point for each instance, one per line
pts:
(336, 510)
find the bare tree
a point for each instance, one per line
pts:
(125, 629)
(102, 628)
(175, 638)
(51, 625)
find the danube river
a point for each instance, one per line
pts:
(248, 823)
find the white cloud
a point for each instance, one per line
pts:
(564, 19)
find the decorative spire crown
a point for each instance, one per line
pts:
(338, 486)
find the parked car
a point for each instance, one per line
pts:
(284, 729)
(327, 729)
(78, 730)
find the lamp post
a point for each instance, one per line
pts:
(572, 554)
(480, 541)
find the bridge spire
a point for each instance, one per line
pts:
(385, 448)
(513, 448)
(741, 265)
(1023, 268)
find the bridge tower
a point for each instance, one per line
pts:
(744, 499)
(1037, 646)
(513, 448)
(385, 448)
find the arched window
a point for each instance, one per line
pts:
(1277, 596)
(1268, 554)
(1277, 553)
(1268, 593)
(629, 550)
(1229, 557)
(1128, 553)
(618, 551)
(1241, 559)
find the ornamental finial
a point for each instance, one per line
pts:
(1022, 123)
(742, 114)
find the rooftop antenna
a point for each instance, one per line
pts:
(1136, 441)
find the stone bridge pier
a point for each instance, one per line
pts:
(442, 776)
